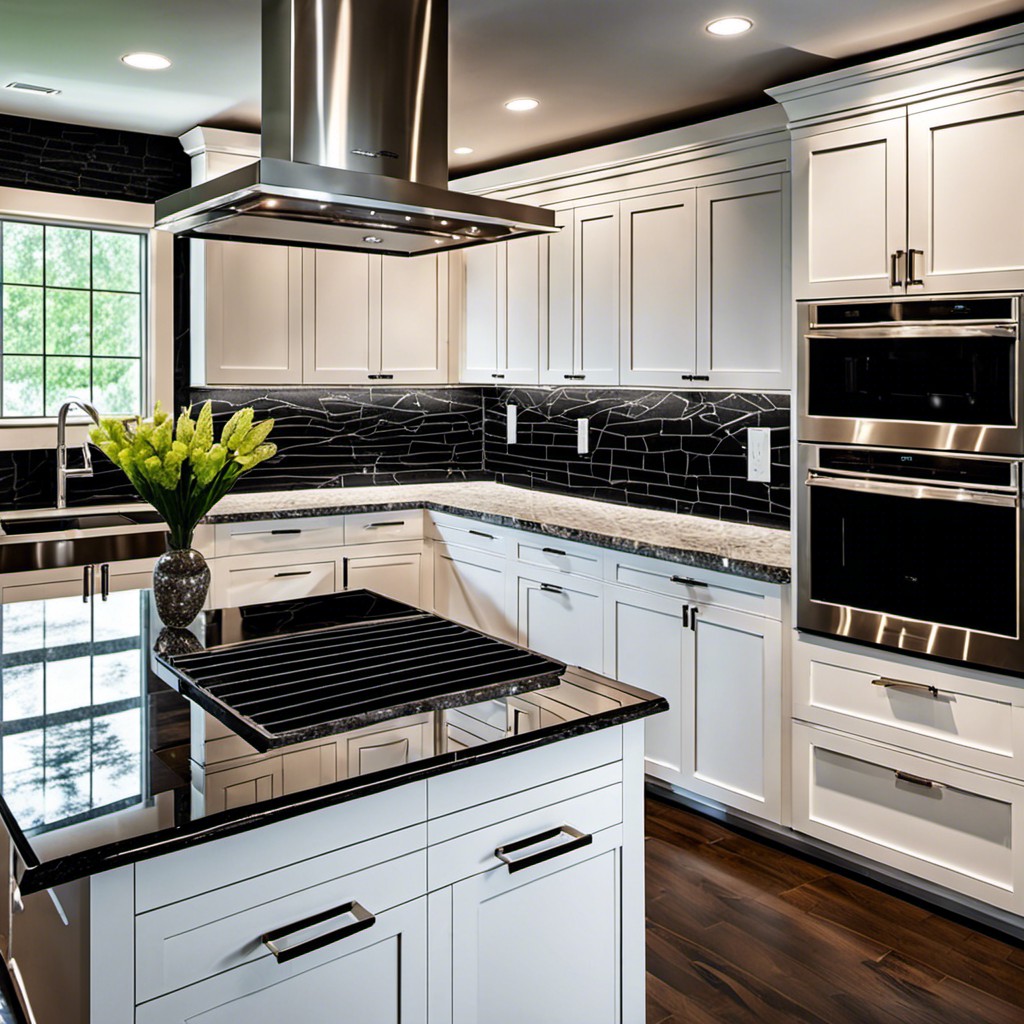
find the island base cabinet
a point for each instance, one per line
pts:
(377, 976)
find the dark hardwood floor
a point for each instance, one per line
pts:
(740, 931)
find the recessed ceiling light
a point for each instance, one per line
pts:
(522, 103)
(39, 90)
(732, 26)
(462, 150)
(146, 61)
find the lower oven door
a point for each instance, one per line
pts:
(918, 567)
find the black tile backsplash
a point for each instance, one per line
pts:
(677, 451)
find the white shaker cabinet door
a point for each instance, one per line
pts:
(596, 295)
(659, 280)
(743, 283)
(966, 214)
(252, 321)
(558, 360)
(340, 299)
(482, 268)
(562, 620)
(850, 210)
(414, 319)
(523, 317)
(470, 588)
(395, 574)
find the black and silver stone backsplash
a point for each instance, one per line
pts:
(676, 451)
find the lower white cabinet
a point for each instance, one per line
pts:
(396, 574)
(562, 618)
(470, 587)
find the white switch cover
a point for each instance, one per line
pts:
(759, 454)
(583, 435)
(512, 412)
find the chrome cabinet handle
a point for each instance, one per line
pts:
(577, 840)
(379, 526)
(912, 278)
(895, 276)
(86, 583)
(363, 920)
(551, 588)
(917, 780)
(687, 581)
(924, 492)
(899, 684)
(303, 572)
(104, 581)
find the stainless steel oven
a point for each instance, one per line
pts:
(912, 550)
(943, 374)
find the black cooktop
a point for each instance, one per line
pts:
(373, 660)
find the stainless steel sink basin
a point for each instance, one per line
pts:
(72, 521)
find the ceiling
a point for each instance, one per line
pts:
(602, 69)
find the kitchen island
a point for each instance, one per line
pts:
(473, 858)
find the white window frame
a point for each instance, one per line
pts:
(158, 360)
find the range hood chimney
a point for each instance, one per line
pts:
(354, 143)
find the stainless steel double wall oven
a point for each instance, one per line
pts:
(909, 466)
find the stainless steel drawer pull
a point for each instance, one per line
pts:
(380, 526)
(553, 551)
(302, 572)
(688, 581)
(283, 953)
(912, 278)
(104, 581)
(577, 840)
(551, 588)
(895, 277)
(86, 583)
(899, 684)
(917, 780)
(480, 533)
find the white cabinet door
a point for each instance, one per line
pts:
(375, 976)
(470, 588)
(658, 302)
(393, 574)
(966, 213)
(542, 945)
(850, 209)
(520, 340)
(596, 295)
(732, 744)
(743, 283)
(340, 289)
(557, 360)
(376, 748)
(252, 322)
(414, 319)
(562, 620)
(484, 298)
(648, 645)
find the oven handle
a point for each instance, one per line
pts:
(914, 331)
(912, 490)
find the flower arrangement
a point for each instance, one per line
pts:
(178, 467)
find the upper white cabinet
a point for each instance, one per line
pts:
(922, 199)
(341, 304)
(505, 295)
(413, 320)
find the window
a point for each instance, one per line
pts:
(73, 318)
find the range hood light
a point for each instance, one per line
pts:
(372, 239)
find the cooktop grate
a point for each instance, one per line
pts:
(286, 689)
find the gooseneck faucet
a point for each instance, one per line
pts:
(62, 448)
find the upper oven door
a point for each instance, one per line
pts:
(943, 387)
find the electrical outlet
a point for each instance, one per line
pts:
(511, 423)
(759, 454)
(583, 435)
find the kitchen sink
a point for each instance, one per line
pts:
(77, 521)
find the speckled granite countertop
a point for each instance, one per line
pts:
(752, 551)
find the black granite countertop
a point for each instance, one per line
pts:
(102, 764)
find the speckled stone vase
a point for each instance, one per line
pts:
(181, 580)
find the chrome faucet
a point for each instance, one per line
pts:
(62, 449)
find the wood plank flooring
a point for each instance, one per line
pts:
(740, 931)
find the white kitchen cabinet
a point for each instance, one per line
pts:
(240, 580)
(394, 573)
(379, 747)
(413, 320)
(966, 205)
(247, 304)
(659, 289)
(561, 617)
(743, 275)
(484, 294)
(470, 587)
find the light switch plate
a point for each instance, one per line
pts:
(583, 435)
(759, 454)
(511, 423)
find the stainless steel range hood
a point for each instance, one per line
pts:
(354, 144)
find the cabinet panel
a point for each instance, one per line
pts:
(253, 579)
(965, 168)
(338, 335)
(743, 282)
(470, 587)
(374, 749)
(519, 346)
(395, 575)
(561, 620)
(557, 357)
(658, 303)
(484, 295)
(849, 191)
(414, 318)
(596, 294)
(253, 321)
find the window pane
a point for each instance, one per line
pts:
(68, 684)
(117, 324)
(66, 378)
(117, 617)
(67, 322)
(116, 383)
(23, 253)
(23, 319)
(68, 778)
(67, 257)
(23, 385)
(23, 626)
(118, 676)
(23, 691)
(116, 261)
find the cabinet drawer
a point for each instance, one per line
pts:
(691, 584)
(282, 581)
(213, 865)
(279, 535)
(467, 533)
(186, 942)
(955, 827)
(561, 556)
(977, 722)
(371, 527)
(395, 574)
(474, 852)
